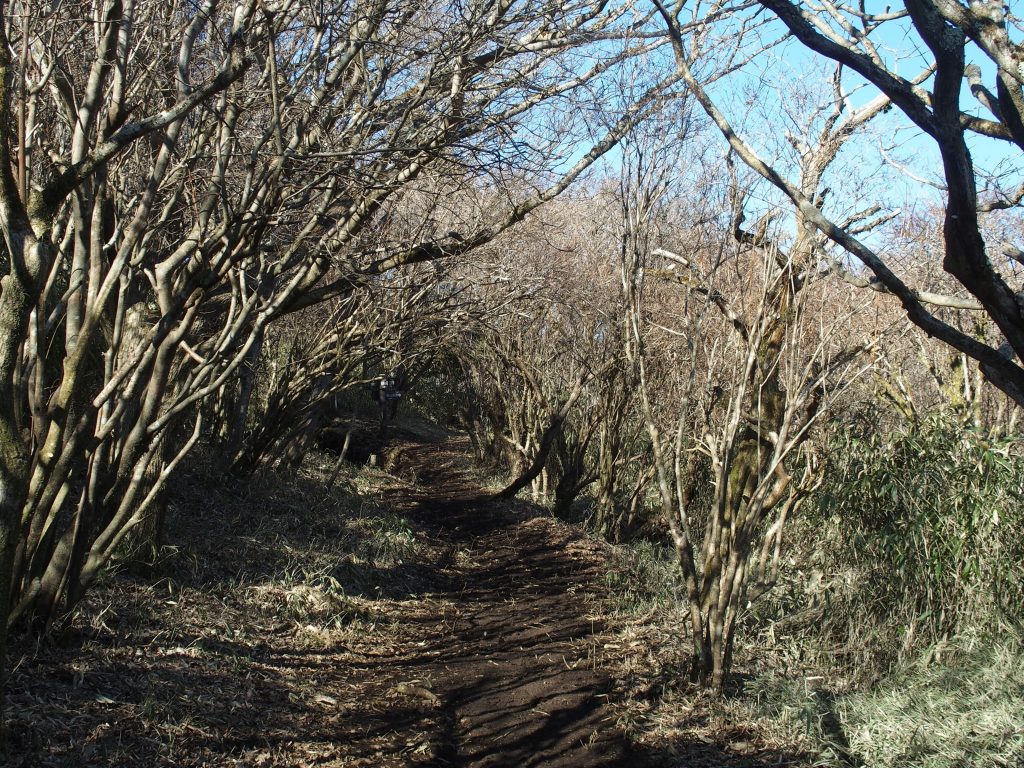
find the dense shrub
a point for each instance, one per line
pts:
(917, 537)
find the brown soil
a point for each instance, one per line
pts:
(515, 657)
(266, 642)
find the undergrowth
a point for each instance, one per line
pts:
(643, 577)
(963, 709)
(295, 550)
(241, 643)
(894, 634)
(959, 705)
(914, 538)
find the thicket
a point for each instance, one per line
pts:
(894, 634)
(916, 539)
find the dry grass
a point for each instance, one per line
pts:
(959, 706)
(263, 609)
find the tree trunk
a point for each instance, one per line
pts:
(547, 442)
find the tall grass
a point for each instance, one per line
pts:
(959, 705)
(904, 604)
(915, 537)
(964, 709)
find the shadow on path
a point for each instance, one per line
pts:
(485, 649)
(513, 660)
(516, 660)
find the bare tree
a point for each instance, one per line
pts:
(734, 373)
(175, 178)
(951, 44)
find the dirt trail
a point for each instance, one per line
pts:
(513, 657)
(280, 634)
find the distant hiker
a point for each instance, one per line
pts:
(387, 394)
(399, 381)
